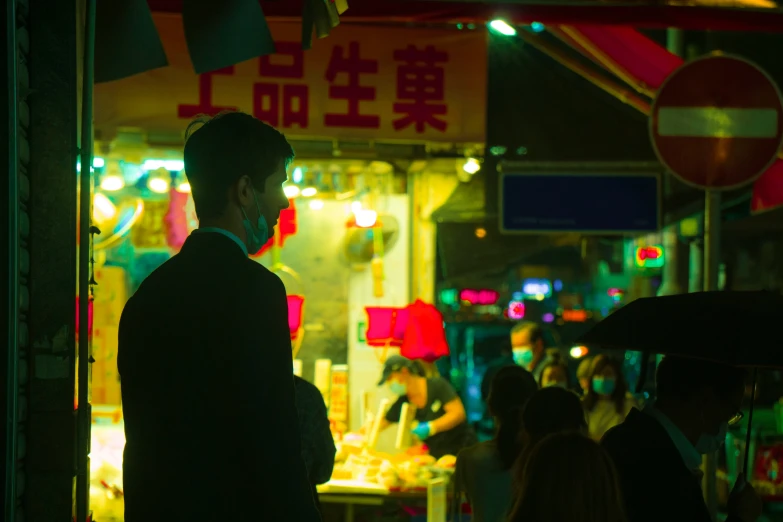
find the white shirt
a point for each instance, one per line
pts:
(604, 416)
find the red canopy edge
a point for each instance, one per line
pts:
(644, 65)
(645, 16)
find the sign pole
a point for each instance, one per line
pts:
(712, 229)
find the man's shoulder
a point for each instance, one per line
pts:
(306, 391)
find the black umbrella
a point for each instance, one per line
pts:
(734, 328)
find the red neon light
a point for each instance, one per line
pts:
(479, 297)
(649, 253)
(295, 303)
(574, 316)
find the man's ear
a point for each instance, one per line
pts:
(243, 191)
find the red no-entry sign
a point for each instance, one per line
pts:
(717, 122)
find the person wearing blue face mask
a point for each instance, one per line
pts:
(658, 451)
(441, 422)
(201, 393)
(607, 400)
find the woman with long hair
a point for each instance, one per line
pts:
(568, 477)
(483, 472)
(607, 401)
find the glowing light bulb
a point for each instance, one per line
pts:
(502, 27)
(309, 192)
(316, 204)
(112, 183)
(356, 206)
(471, 166)
(366, 218)
(291, 191)
(183, 187)
(298, 175)
(158, 185)
(103, 209)
(578, 351)
(98, 163)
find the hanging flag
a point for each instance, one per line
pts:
(222, 34)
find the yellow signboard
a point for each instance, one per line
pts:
(363, 82)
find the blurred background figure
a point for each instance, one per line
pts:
(555, 373)
(528, 348)
(318, 449)
(584, 372)
(607, 401)
(483, 473)
(568, 477)
(440, 414)
(551, 410)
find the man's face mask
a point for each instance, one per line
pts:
(398, 388)
(523, 356)
(256, 236)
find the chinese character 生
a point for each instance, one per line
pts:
(352, 65)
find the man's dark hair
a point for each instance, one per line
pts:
(220, 150)
(535, 331)
(679, 378)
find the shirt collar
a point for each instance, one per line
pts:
(690, 456)
(233, 237)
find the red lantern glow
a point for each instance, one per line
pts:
(425, 337)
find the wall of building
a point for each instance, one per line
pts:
(53, 66)
(429, 190)
(365, 362)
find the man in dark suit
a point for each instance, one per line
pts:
(204, 350)
(658, 451)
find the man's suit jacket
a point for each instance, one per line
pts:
(208, 393)
(656, 483)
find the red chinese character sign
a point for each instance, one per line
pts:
(717, 122)
(361, 83)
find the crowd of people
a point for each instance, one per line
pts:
(560, 457)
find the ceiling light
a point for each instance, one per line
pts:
(366, 218)
(298, 175)
(502, 27)
(309, 192)
(112, 182)
(471, 166)
(103, 209)
(291, 191)
(316, 204)
(98, 163)
(158, 185)
(183, 187)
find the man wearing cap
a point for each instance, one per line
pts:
(204, 355)
(441, 420)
